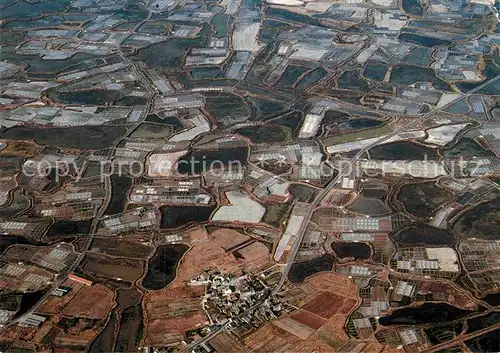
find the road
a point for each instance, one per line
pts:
(215, 332)
(460, 339)
(348, 169)
(321, 195)
(107, 185)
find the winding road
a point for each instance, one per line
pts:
(348, 169)
(317, 201)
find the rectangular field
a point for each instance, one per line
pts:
(225, 343)
(309, 319)
(295, 328)
(326, 304)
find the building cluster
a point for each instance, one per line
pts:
(18, 93)
(33, 229)
(359, 273)
(242, 303)
(185, 107)
(7, 183)
(312, 245)
(138, 218)
(415, 168)
(49, 168)
(38, 270)
(99, 35)
(374, 303)
(315, 115)
(480, 259)
(174, 192)
(65, 117)
(440, 262)
(468, 193)
(266, 186)
(305, 155)
(73, 202)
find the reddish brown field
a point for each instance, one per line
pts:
(91, 302)
(225, 343)
(227, 238)
(46, 329)
(326, 304)
(309, 319)
(21, 148)
(173, 307)
(20, 253)
(338, 197)
(65, 350)
(15, 332)
(79, 334)
(54, 305)
(270, 338)
(204, 253)
(325, 301)
(449, 294)
(178, 290)
(256, 257)
(294, 327)
(332, 332)
(333, 282)
(159, 329)
(363, 346)
(313, 344)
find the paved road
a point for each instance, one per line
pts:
(456, 341)
(347, 171)
(316, 202)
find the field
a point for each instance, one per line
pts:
(182, 301)
(54, 304)
(173, 308)
(276, 214)
(225, 343)
(75, 332)
(17, 253)
(353, 136)
(121, 247)
(327, 304)
(270, 338)
(129, 334)
(323, 218)
(325, 301)
(160, 330)
(332, 282)
(309, 319)
(338, 197)
(449, 293)
(126, 269)
(255, 255)
(178, 291)
(294, 327)
(90, 302)
(20, 148)
(228, 238)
